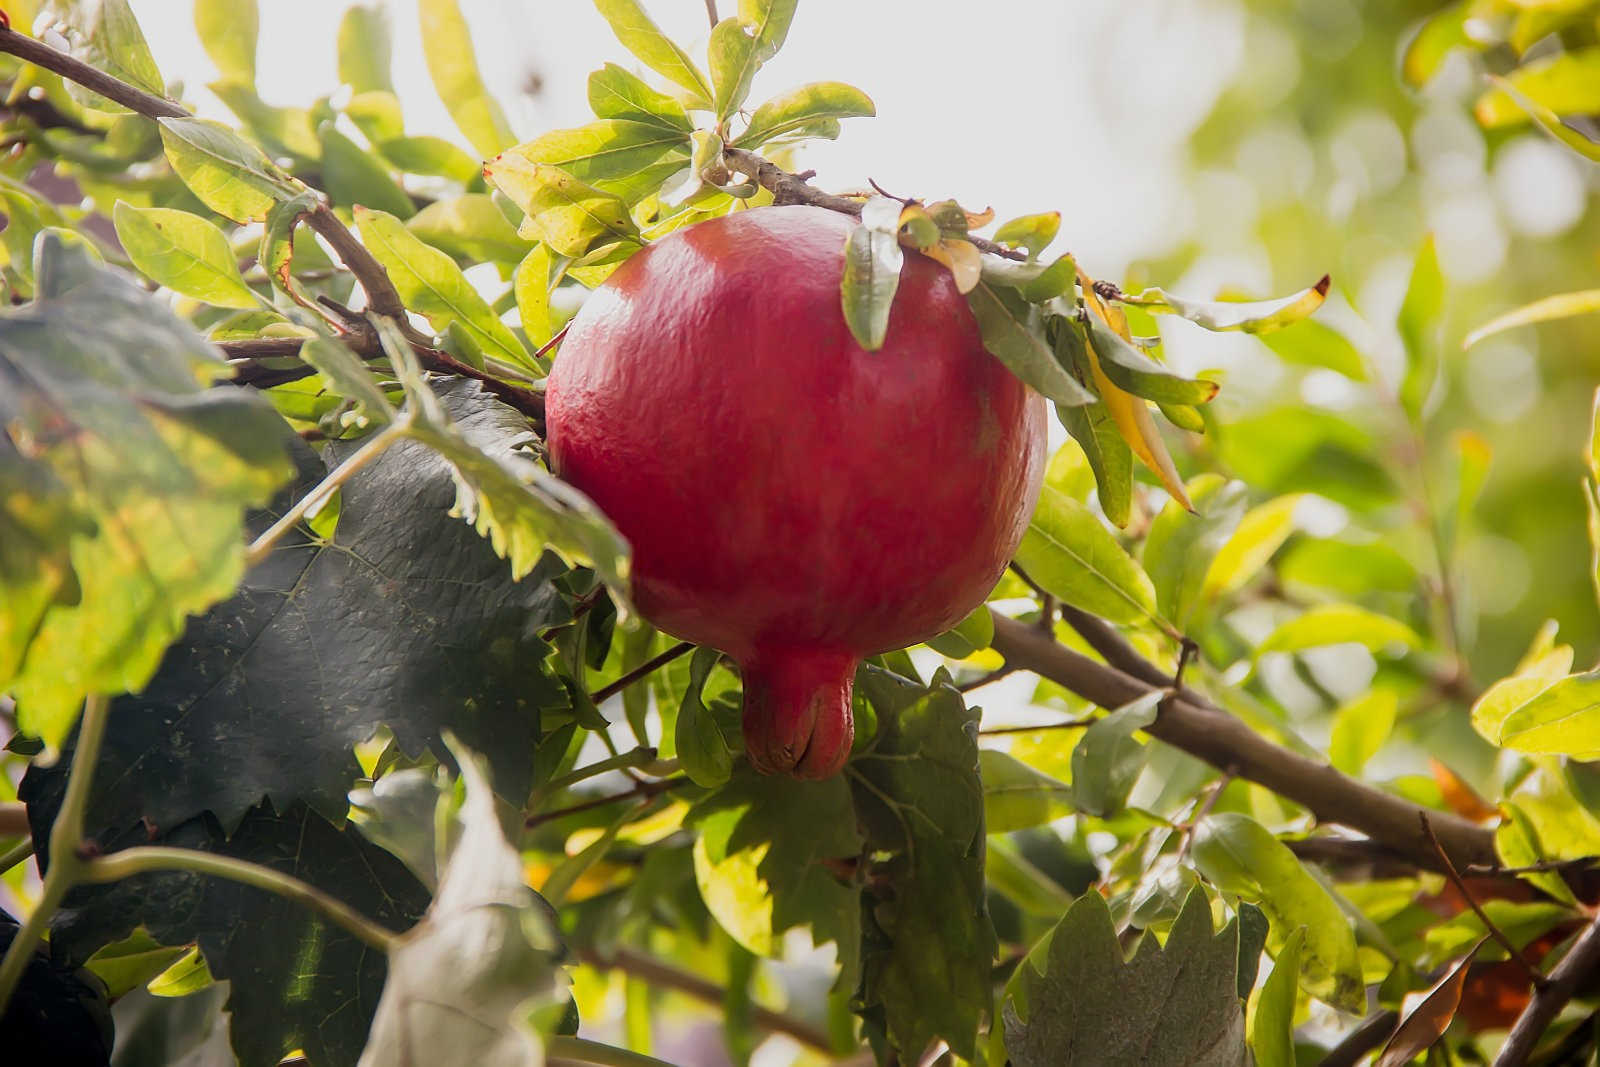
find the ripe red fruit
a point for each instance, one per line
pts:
(791, 499)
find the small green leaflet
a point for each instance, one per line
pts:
(1565, 83)
(703, 751)
(1107, 759)
(1069, 552)
(1272, 1027)
(1182, 545)
(351, 175)
(734, 59)
(453, 64)
(105, 35)
(616, 93)
(768, 22)
(184, 252)
(1338, 624)
(1032, 232)
(1131, 369)
(608, 150)
(1260, 316)
(1564, 718)
(365, 52)
(1419, 328)
(568, 215)
(872, 261)
(640, 35)
(804, 107)
(1013, 334)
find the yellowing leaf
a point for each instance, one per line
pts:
(962, 258)
(1548, 309)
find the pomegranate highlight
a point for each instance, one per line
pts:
(791, 499)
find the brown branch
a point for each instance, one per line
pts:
(14, 820)
(1071, 724)
(660, 973)
(1114, 648)
(1578, 964)
(644, 669)
(642, 791)
(40, 54)
(1356, 857)
(382, 296)
(1199, 728)
(1539, 980)
(1372, 1032)
(789, 188)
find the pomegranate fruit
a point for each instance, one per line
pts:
(792, 499)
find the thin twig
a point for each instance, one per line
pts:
(711, 13)
(788, 188)
(650, 665)
(645, 790)
(1372, 1032)
(1113, 647)
(1539, 980)
(1577, 965)
(993, 676)
(660, 973)
(1201, 811)
(16, 854)
(1070, 724)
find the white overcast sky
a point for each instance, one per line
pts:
(1025, 105)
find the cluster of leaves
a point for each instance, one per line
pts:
(980, 890)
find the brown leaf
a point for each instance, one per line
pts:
(1460, 797)
(1428, 1015)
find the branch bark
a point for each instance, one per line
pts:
(40, 54)
(1582, 960)
(1201, 729)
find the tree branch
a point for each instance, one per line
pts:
(789, 188)
(40, 54)
(1199, 728)
(1578, 964)
(660, 973)
(654, 663)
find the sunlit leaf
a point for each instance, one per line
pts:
(1440, 34)
(532, 286)
(230, 175)
(872, 261)
(961, 258)
(1419, 329)
(1032, 232)
(972, 634)
(568, 215)
(1316, 344)
(609, 150)
(1338, 624)
(640, 35)
(1260, 533)
(1074, 557)
(228, 31)
(1550, 122)
(734, 59)
(768, 22)
(1183, 542)
(453, 64)
(1565, 719)
(1107, 758)
(616, 93)
(1566, 83)
(1360, 727)
(1491, 710)
(1260, 316)
(471, 228)
(365, 52)
(183, 252)
(1272, 1025)
(1547, 309)
(803, 107)
(105, 35)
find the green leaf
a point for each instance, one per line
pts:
(1517, 844)
(351, 176)
(125, 480)
(768, 22)
(872, 261)
(1033, 232)
(1564, 719)
(972, 634)
(616, 93)
(431, 156)
(105, 35)
(1182, 546)
(377, 115)
(1238, 855)
(1131, 369)
(780, 830)
(183, 252)
(1107, 758)
(506, 496)
(345, 375)
(1567, 83)
(1315, 344)
(641, 36)
(495, 939)
(1254, 542)
(230, 175)
(1015, 796)
(1012, 333)
(918, 799)
(1010, 874)
(228, 30)
(706, 756)
(1360, 727)
(470, 228)
(1338, 624)
(1071, 554)
(803, 107)
(734, 59)
(1548, 309)
(365, 52)
(453, 65)
(1440, 34)
(1419, 329)
(282, 131)
(607, 152)
(1272, 1026)
(430, 283)
(1109, 457)
(532, 286)
(1550, 122)
(132, 962)
(1172, 1004)
(1258, 316)
(568, 215)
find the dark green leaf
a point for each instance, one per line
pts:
(1131, 369)
(706, 756)
(1174, 1004)
(432, 156)
(351, 176)
(872, 261)
(1012, 333)
(1015, 796)
(1107, 758)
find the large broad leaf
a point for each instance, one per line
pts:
(404, 618)
(493, 938)
(134, 478)
(640, 35)
(802, 108)
(789, 830)
(1069, 552)
(617, 93)
(1176, 1004)
(230, 175)
(1013, 334)
(105, 35)
(569, 215)
(184, 252)
(928, 944)
(453, 64)
(1238, 855)
(430, 282)
(295, 981)
(1183, 543)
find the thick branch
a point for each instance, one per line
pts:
(1205, 731)
(1581, 961)
(42, 55)
(788, 188)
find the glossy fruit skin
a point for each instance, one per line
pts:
(791, 499)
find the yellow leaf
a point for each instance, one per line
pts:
(1130, 413)
(963, 259)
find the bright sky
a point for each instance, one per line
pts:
(1025, 105)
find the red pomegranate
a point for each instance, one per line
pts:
(792, 499)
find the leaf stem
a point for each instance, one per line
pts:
(648, 667)
(66, 838)
(644, 790)
(636, 757)
(16, 854)
(143, 859)
(371, 450)
(1539, 980)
